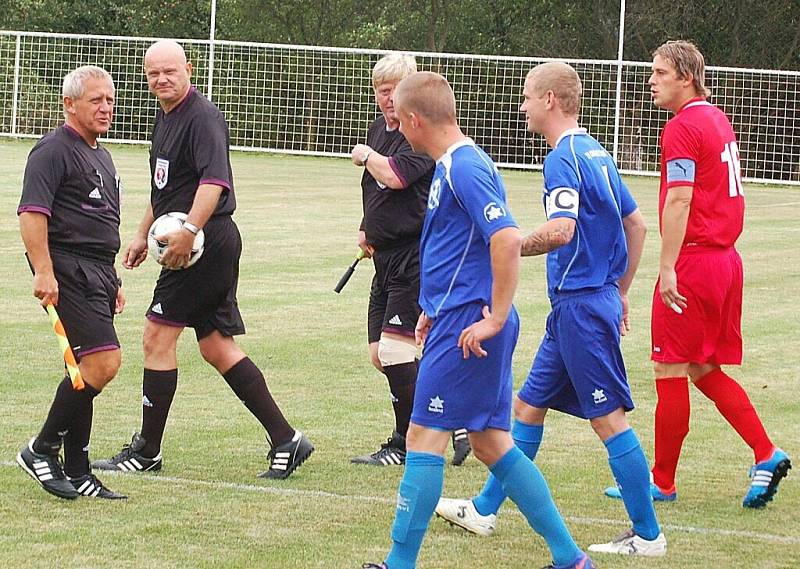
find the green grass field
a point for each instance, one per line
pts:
(206, 508)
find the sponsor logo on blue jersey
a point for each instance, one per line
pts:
(434, 193)
(493, 212)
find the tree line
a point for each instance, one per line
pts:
(743, 33)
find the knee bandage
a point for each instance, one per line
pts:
(392, 351)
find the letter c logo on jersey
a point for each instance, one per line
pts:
(433, 195)
(161, 174)
(492, 211)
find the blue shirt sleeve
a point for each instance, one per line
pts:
(480, 191)
(562, 186)
(627, 203)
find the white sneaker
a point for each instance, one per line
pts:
(631, 544)
(462, 513)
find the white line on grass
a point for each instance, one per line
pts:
(772, 205)
(382, 500)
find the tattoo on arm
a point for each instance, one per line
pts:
(540, 242)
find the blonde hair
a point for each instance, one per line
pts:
(74, 85)
(429, 95)
(687, 60)
(562, 80)
(393, 67)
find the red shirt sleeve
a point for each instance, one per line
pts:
(680, 140)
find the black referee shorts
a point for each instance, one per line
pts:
(87, 297)
(203, 296)
(394, 296)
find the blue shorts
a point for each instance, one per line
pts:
(578, 368)
(475, 393)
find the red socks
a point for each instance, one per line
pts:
(672, 426)
(734, 404)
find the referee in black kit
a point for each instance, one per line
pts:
(191, 173)
(394, 188)
(69, 217)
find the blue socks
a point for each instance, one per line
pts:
(629, 466)
(419, 492)
(526, 486)
(528, 438)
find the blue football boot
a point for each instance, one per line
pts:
(765, 479)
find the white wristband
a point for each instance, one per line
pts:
(191, 228)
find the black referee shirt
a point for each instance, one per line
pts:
(77, 187)
(394, 217)
(190, 146)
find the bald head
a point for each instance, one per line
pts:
(427, 95)
(562, 80)
(168, 73)
(165, 50)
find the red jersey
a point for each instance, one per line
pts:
(699, 149)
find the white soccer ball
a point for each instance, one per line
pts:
(168, 223)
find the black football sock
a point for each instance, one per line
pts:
(76, 441)
(158, 390)
(247, 382)
(58, 419)
(402, 381)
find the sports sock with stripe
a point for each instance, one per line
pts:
(249, 385)
(629, 466)
(527, 437)
(734, 404)
(671, 428)
(419, 492)
(158, 390)
(525, 485)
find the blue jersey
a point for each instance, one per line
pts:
(466, 206)
(581, 182)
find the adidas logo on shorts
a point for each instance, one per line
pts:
(396, 320)
(157, 308)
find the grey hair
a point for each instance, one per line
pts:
(393, 67)
(75, 81)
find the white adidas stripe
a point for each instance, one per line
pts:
(762, 478)
(391, 458)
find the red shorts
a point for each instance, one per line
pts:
(710, 328)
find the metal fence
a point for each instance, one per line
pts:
(319, 100)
